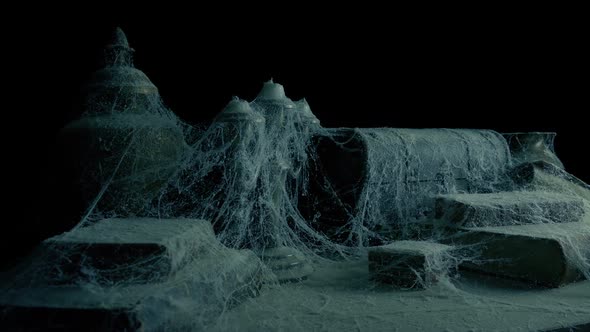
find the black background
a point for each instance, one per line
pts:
(508, 71)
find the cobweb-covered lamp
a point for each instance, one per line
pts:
(241, 131)
(284, 124)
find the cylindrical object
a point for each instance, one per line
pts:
(389, 176)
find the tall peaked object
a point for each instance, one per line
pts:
(124, 147)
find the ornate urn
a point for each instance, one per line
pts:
(118, 155)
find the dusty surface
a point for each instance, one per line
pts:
(340, 298)
(412, 247)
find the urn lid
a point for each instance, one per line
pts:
(118, 75)
(238, 110)
(274, 94)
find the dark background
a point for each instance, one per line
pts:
(378, 68)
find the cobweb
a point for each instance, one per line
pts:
(263, 173)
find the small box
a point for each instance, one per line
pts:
(410, 264)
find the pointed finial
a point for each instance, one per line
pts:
(118, 52)
(119, 39)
